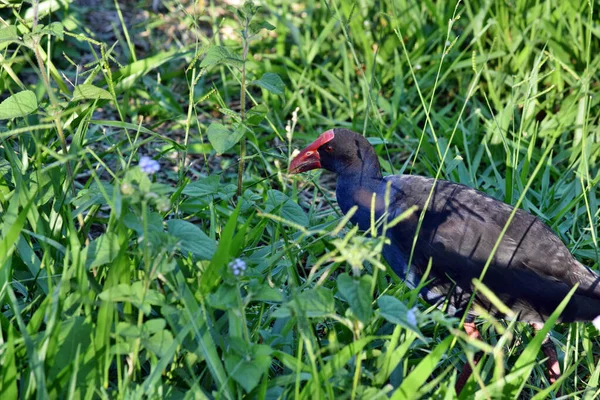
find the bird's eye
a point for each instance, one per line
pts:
(328, 148)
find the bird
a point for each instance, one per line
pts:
(531, 270)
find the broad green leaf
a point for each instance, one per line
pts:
(223, 139)
(317, 302)
(279, 203)
(88, 91)
(102, 250)
(159, 342)
(263, 292)
(192, 239)
(54, 29)
(128, 330)
(357, 292)
(136, 294)
(92, 196)
(272, 82)
(224, 298)
(256, 114)
(220, 55)
(210, 186)
(154, 325)
(248, 368)
(18, 105)
(154, 222)
(256, 27)
(9, 34)
(396, 312)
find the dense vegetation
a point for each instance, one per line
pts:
(153, 244)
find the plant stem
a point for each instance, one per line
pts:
(55, 114)
(243, 109)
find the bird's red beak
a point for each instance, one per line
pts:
(309, 158)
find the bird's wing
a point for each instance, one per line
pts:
(461, 228)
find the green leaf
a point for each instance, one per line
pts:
(154, 325)
(256, 27)
(256, 114)
(396, 312)
(210, 186)
(263, 292)
(154, 222)
(192, 239)
(220, 55)
(102, 250)
(136, 294)
(88, 91)
(357, 292)
(9, 34)
(249, 9)
(288, 209)
(248, 368)
(18, 105)
(159, 343)
(272, 82)
(224, 298)
(56, 29)
(222, 139)
(316, 302)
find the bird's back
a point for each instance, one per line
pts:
(531, 269)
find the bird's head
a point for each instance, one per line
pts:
(338, 150)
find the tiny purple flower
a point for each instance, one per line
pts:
(237, 266)
(148, 165)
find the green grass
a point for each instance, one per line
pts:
(117, 284)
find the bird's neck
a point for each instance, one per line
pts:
(356, 188)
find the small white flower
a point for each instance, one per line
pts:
(148, 165)
(411, 317)
(596, 322)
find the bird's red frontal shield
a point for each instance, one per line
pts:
(309, 158)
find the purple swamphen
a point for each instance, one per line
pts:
(531, 270)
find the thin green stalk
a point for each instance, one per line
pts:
(243, 107)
